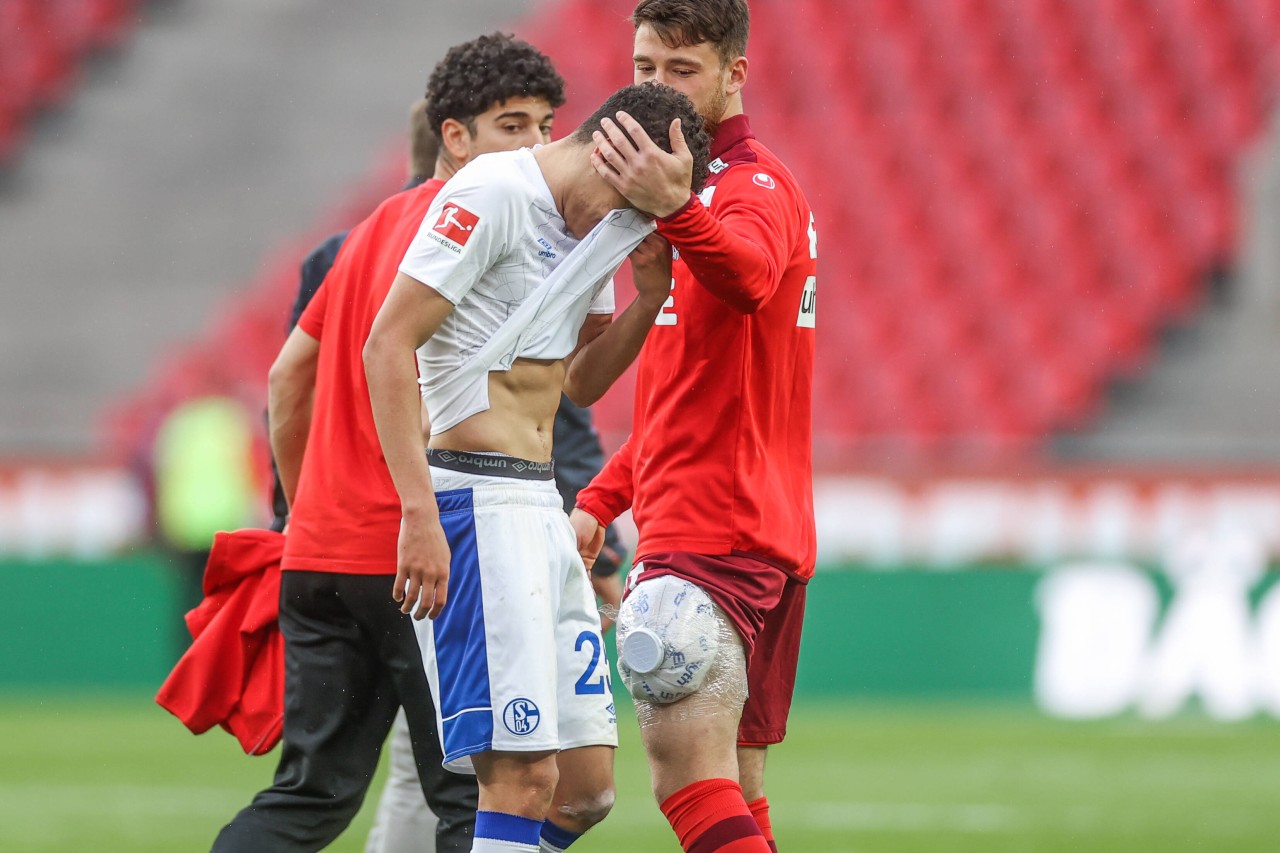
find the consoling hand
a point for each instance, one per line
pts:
(654, 181)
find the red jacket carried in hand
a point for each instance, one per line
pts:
(233, 673)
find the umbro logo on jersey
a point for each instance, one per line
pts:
(548, 251)
(808, 316)
(455, 226)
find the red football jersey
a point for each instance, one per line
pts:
(346, 515)
(719, 460)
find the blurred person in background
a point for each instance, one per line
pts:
(718, 467)
(204, 480)
(352, 659)
(506, 296)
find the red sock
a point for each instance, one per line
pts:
(711, 817)
(760, 811)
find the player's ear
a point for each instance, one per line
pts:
(737, 76)
(456, 139)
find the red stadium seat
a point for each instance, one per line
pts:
(1013, 197)
(42, 45)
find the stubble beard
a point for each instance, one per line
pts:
(713, 111)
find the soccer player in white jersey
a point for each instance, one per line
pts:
(513, 648)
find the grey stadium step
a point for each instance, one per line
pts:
(222, 130)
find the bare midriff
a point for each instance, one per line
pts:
(522, 410)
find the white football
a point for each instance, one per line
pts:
(668, 636)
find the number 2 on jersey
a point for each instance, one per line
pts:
(585, 686)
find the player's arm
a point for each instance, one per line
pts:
(410, 315)
(740, 252)
(607, 346)
(291, 385)
(608, 495)
(442, 264)
(739, 255)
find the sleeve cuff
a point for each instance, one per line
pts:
(594, 512)
(310, 326)
(683, 208)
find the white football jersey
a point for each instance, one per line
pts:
(491, 237)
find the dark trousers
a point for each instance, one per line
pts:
(351, 660)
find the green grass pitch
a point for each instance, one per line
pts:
(119, 774)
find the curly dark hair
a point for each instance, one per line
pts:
(726, 24)
(654, 106)
(475, 75)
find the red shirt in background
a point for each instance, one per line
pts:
(346, 515)
(719, 460)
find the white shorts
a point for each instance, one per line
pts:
(516, 660)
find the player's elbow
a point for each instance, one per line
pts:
(278, 380)
(744, 300)
(288, 377)
(375, 348)
(749, 293)
(748, 303)
(580, 392)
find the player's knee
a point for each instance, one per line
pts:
(541, 777)
(583, 811)
(669, 636)
(517, 781)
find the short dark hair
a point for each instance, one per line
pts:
(492, 69)
(726, 24)
(424, 144)
(654, 106)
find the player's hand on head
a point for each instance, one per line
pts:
(589, 533)
(651, 263)
(422, 568)
(651, 179)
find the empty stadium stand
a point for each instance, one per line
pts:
(42, 46)
(218, 135)
(1014, 197)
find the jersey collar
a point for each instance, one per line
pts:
(731, 132)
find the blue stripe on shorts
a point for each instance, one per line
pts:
(462, 658)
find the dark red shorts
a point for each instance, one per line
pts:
(766, 605)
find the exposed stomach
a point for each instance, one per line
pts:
(521, 416)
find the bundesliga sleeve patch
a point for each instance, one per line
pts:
(455, 226)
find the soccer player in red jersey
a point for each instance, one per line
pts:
(352, 659)
(718, 467)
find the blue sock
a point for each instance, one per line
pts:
(497, 832)
(556, 839)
